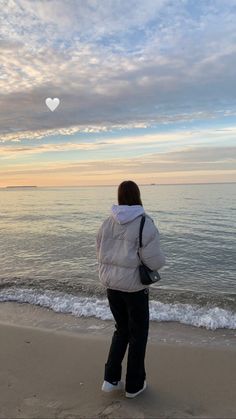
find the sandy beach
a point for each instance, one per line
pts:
(56, 374)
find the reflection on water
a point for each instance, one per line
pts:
(48, 234)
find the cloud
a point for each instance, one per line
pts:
(189, 164)
(39, 127)
(186, 148)
(114, 64)
(187, 159)
(86, 19)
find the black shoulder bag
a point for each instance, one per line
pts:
(147, 276)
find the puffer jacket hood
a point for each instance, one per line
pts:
(123, 214)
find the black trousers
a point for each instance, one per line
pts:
(131, 313)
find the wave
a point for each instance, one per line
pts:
(81, 285)
(81, 306)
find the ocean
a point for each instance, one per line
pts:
(48, 258)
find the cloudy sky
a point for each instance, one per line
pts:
(147, 91)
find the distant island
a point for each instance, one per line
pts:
(21, 187)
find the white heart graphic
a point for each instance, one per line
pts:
(52, 104)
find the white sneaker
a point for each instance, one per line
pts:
(132, 395)
(107, 387)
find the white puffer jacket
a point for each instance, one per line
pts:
(117, 246)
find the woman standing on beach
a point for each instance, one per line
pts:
(117, 246)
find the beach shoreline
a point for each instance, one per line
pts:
(51, 372)
(166, 332)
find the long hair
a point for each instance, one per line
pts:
(129, 193)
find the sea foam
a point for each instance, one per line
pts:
(211, 318)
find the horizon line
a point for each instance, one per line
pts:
(115, 185)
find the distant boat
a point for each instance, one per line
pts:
(21, 187)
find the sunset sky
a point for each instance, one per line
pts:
(147, 91)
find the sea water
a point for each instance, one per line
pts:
(48, 257)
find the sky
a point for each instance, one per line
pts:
(147, 92)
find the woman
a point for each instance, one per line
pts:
(117, 246)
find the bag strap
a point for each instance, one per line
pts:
(140, 236)
(141, 230)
